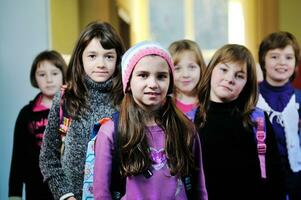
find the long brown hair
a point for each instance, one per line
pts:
(76, 92)
(179, 134)
(247, 99)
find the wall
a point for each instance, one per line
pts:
(64, 25)
(289, 17)
(24, 33)
(104, 10)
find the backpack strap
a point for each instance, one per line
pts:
(188, 185)
(260, 135)
(118, 181)
(65, 120)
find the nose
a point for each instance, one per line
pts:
(282, 60)
(49, 78)
(100, 62)
(153, 82)
(185, 73)
(230, 78)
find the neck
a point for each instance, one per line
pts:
(276, 83)
(187, 99)
(46, 101)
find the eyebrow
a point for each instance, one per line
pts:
(241, 70)
(143, 71)
(106, 51)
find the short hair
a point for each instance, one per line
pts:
(274, 41)
(51, 56)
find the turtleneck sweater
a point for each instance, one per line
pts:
(230, 159)
(64, 173)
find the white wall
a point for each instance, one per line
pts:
(24, 32)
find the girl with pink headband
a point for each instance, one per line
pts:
(158, 148)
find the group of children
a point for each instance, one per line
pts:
(176, 128)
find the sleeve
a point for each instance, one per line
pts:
(200, 182)
(274, 168)
(50, 154)
(16, 176)
(104, 148)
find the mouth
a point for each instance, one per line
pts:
(281, 70)
(185, 82)
(226, 87)
(152, 93)
(50, 87)
(100, 73)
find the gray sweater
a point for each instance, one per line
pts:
(65, 174)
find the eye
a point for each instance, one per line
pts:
(55, 73)
(143, 75)
(110, 57)
(177, 68)
(223, 69)
(41, 74)
(289, 57)
(240, 76)
(91, 56)
(162, 76)
(192, 66)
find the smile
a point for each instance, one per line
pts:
(281, 70)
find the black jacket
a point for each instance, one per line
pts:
(29, 129)
(230, 158)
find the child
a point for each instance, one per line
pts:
(189, 66)
(93, 78)
(228, 94)
(279, 55)
(47, 74)
(158, 145)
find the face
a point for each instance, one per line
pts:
(280, 65)
(49, 78)
(227, 81)
(99, 63)
(150, 82)
(187, 74)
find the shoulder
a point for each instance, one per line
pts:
(57, 98)
(298, 94)
(257, 112)
(26, 110)
(107, 128)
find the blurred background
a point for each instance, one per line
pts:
(31, 26)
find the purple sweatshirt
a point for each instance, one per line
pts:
(160, 186)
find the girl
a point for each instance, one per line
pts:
(47, 74)
(189, 66)
(157, 144)
(93, 80)
(228, 95)
(279, 55)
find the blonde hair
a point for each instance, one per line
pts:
(176, 50)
